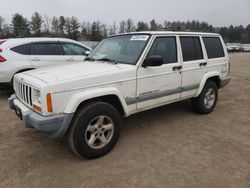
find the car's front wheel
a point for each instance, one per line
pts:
(95, 130)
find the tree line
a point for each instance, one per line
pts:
(71, 27)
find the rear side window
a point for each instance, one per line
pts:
(166, 48)
(214, 47)
(22, 49)
(191, 48)
(45, 49)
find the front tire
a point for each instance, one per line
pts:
(207, 100)
(94, 130)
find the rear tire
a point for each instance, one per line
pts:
(206, 101)
(94, 130)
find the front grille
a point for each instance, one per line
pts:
(23, 92)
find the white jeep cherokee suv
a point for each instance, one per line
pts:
(123, 75)
(22, 54)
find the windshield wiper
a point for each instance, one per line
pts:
(89, 59)
(108, 60)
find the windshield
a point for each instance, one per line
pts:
(120, 49)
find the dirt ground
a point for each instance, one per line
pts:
(165, 147)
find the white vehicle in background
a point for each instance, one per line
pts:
(233, 47)
(245, 47)
(22, 54)
(123, 75)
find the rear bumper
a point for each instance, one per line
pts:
(53, 126)
(225, 81)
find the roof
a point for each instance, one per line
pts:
(39, 39)
(17, 41)
(171, 33)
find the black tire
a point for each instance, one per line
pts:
(198, 103)
(77, 132)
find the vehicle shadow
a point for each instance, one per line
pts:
(6, 93)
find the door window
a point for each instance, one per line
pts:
(73, 49)
(191, 48)
(166, 48)
(45, 49)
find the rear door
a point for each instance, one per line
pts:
(45, 54)
(193, 66)
(217, 58)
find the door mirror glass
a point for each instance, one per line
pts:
(153, 61)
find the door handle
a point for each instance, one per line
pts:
(70, 59)
(177, 68)
(35, 59)
(203, 64)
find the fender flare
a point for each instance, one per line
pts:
(204, 80)
(78, 98)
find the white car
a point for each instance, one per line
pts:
(233, 47)
(245, 47)
(22, 54)
(123, 75)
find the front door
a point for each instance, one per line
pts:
(160, 85)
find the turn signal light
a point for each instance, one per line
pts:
(49, 102)
(37, 108)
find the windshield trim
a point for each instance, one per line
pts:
(126, 34)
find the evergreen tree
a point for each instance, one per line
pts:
(20, 26)
(61, 25)
(36, 23)
(55, 26)
(75, 25)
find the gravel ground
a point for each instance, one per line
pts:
(165, 147)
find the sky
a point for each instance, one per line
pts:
(215, 12)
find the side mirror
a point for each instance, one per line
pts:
(153, 61)
(87, 52)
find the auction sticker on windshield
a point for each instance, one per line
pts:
(139, 37)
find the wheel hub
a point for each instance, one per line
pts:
(99, 132)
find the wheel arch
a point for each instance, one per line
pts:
(214, 76)
(109, 95)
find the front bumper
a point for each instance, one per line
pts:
(225, 81)
(53, 126)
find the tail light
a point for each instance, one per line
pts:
(2, 41)
(2, 59)
(229, 68)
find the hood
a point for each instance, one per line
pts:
(72, 71)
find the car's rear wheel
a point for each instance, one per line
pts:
(94, 130)
(207, 100)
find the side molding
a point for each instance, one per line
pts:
(78, 98)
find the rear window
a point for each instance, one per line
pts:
(22, 49)
(191, 48)
(214, 47)
(45, 49)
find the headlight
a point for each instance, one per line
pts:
(36, 100)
